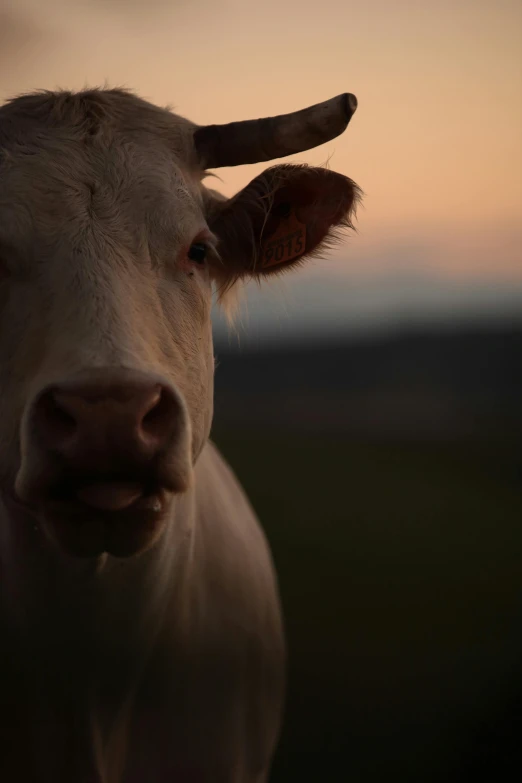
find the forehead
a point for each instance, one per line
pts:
(99, 154)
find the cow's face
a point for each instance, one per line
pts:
(109, 245)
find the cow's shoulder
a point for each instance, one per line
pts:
(234, 579)
(230, 535)
(218, 487)
(232, 642)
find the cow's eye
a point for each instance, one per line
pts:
(198, 252)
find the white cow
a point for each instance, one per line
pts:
(140, 629)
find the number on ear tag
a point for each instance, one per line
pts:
(286, 243)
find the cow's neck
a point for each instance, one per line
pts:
(49, 599)
(77, 637)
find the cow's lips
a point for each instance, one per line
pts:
(105, 514)
(110, 495)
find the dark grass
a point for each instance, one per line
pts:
(400, 569)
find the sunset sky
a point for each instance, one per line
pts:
(435, 143)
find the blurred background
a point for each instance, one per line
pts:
(371, 404)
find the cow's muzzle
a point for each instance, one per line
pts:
(102, 455)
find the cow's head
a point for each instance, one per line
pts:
(109, 246)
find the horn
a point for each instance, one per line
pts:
(253, 141)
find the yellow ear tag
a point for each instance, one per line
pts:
(287, 242)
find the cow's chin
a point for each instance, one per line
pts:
(83, 531)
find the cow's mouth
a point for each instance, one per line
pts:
(107, 494)
(99, 514)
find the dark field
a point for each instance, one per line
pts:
(399, 563)
(400, 576)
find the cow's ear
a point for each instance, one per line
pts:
(284, 216)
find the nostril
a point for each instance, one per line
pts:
(156, 420)
(53, 417)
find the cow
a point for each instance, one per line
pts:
(141, 633)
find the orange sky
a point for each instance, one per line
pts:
(435, 144)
